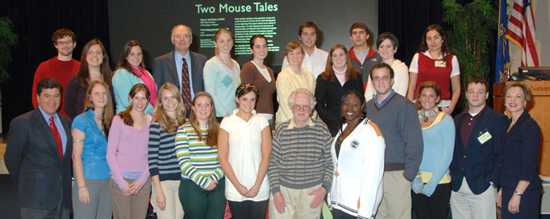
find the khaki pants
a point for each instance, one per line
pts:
(466, 204)
(130, 207)
(173, 208)
(397, 203)
(297, 203)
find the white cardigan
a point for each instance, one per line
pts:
(357, 186)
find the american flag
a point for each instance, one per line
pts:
(521, 31)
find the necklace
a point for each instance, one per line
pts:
(427, 114)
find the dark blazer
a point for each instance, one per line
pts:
(479, 163)
(520, 153)
(328, 95)
(33, 160)
(164, 70)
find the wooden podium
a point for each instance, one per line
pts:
(538, 109)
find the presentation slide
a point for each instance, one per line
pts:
(151, 23)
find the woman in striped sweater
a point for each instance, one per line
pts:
(163, 163)
(202, 185)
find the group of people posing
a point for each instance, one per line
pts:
(355, 128)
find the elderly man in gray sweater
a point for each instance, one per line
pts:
(398, 121)
(300, 171)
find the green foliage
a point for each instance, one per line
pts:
(471, 37)
(8, 39)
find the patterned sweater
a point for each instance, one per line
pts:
(197, 161)
(162, 154)
(300, 156)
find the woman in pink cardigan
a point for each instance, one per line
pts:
(127, 148)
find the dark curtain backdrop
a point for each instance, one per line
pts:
(407, 20)
(35, 21)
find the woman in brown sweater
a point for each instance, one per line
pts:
(260, 75)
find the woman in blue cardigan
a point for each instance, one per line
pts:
(431, 189)
(131, 71)
(519, 196)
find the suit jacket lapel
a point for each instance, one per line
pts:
(516, 126)
(173, 69)
(67, 126)
(43, 125)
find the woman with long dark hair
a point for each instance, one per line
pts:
(435, 62)
(339, 77)
(129, 72)
(260, 75)
(94, 66)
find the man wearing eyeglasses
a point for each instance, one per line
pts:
(181, 67)
(300, 170)
(60, 67)
(397, 119)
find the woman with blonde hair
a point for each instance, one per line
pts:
(290, 79)
(520, 192)
(222, 75)
(163, 163)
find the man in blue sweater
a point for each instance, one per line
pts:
(398, 121)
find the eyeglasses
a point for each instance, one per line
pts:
(66, 42)
(185, 36)
(385, 78)
(304, 107)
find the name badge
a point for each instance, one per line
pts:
(484, 137)
(440, 64)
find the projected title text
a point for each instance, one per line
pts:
(227, 8)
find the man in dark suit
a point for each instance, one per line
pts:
(476, 163)
(181, 67)
(38, 156)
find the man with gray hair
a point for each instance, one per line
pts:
(181, 67)
(300, 171)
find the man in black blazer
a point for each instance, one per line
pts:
(476, 163)
(38, 156)
(168, 67)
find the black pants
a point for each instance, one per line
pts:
(248, 209)
(338, 214)
(435, 206)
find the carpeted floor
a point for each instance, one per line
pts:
(8, 198)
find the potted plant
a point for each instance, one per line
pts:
(8, 39)
(471, 37)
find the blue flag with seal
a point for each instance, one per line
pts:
(502, 66)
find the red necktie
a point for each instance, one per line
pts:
(57, 137)
(185, 86)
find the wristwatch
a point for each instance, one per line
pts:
(518, 193)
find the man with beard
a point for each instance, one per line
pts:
(60, 67)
